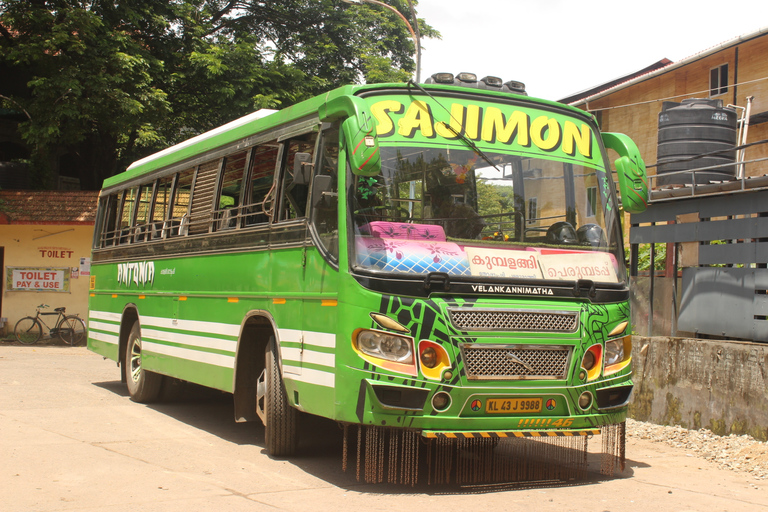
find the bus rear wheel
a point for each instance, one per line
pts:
(143, 386)
(280, 421)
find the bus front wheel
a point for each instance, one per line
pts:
(143, 386)
(280, 419)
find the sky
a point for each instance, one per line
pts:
(562, 47)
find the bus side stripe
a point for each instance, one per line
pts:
(316, 377)
(106, 338)
(190, 355)
(191, 325)
(309, 356)
(92, 324)
(189, 339)
(105, 315)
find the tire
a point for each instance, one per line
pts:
(28, 330)
(280, 427)
(143, 386)
(71, 330)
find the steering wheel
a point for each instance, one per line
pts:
(395, 210)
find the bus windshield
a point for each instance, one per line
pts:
(483, 213)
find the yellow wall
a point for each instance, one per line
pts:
(23, 245)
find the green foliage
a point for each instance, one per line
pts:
(109, 82)
(644, 257)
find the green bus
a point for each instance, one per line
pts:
(437, 267)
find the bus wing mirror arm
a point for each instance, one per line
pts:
(321, 189)
(359, 131)
(633, 180)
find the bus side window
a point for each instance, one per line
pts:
(109, 234)
(228, 211)
(127, 215)
(259, 200)
(180, 207)
(325, 197)
(161, 208)
(203, 192)
(141, 224)
(293, 195)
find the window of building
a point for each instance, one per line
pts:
(718, 80)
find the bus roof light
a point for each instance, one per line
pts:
(467, 77)
(516, 87)
(492, 81)
(440, 78)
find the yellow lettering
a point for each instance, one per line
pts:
(573, 138)
(494, 126)
(472, 126)
(381, 110)
(417, 117)
(453, 130)
(545, 133)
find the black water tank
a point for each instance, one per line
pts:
(691, 128)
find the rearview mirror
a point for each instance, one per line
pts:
(302, 168)
(359, 131)
(633, 180)
(321, 188)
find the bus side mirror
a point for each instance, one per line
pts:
(633, 181)
(359, 131)
(302, 168)
(321, 188)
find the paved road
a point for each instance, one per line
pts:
(71, 440)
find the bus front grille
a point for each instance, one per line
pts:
(514, 320)
(515, 362)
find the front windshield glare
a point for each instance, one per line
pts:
(500, 216)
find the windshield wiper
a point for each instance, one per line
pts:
(463, 137)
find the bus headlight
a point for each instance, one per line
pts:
(614, 351)
(618, 354)
(385, 346)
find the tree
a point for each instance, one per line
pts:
(102, 83)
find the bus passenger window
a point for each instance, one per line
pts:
(228, 210)
(162, 206)
(201, 210)
(325, 197)
(180, 205)
(141, 226)
(109, 228)
(293, 200)
(126, 215)
(259, 198)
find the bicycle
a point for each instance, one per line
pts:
(69, 328)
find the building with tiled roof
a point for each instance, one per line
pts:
(48, 207)
(45, 232)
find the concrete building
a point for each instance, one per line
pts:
(45, 248)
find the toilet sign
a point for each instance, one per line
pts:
(37, 279)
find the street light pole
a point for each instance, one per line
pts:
(414, 33)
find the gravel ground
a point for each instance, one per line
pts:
(737, 453)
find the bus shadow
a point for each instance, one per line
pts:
(321, 447)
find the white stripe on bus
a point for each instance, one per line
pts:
(316, 377)
(189, 339)
(319, 339)
(309, 356)
(106, 338)
(191, 325)
(105, 315)
(93, 324)
(189, 354)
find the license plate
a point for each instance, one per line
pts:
(512, 405)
